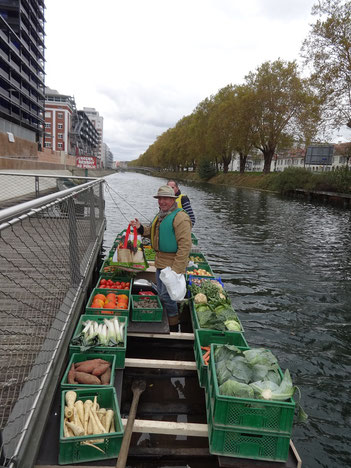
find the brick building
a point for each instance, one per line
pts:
(59, 109)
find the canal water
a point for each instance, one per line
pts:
(286, 266)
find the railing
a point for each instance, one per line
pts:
(48, 249)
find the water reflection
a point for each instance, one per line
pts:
(286, 265)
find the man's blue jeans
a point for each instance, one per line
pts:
(170, 305)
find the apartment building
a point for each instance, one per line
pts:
(22, 70)
(98, 121)
(59, 109)
(84, 137)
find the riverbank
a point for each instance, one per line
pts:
(286, 182)
(249, 180)
(330, 187)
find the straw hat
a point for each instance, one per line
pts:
(165, 191)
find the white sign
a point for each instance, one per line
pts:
(86, 162)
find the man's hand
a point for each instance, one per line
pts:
(135, 223)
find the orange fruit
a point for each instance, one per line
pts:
(99, 296)
(122, 297)
(122, 305)
(110, 305)
(111, 297)
(97, 303)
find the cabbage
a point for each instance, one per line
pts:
(236, 389)
(267, 390)
(232, 325)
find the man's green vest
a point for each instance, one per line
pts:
(167, 239)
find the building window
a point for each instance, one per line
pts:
(60, 115)
(60, 136)
(60, 145)
(47, 125)
(47, 145)
(48, 114)
(60, 126)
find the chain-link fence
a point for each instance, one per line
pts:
(48, 249)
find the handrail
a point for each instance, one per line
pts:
(13, 211)
(23, 174)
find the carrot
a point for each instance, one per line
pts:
(87, 379)
(206, 355)
(206, 348)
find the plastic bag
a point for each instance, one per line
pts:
(174, 282)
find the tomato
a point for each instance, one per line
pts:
(118, 283)
(128, 284)
(127, 287)
(103, 281)
(123, 284)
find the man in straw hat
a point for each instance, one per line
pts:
(170, 234)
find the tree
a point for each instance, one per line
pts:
(282, 106)
(220, 134)
(327, 50)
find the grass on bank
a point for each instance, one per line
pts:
(292, 178)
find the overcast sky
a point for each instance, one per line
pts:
(144, 64)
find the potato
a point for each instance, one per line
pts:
(88, 379)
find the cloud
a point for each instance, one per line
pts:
(143, 65)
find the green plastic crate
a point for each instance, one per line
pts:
(147, 314)
(243, 443)
(79, 357)
(194, 239)
(205, 337)
(196, 324)
(248, 413)
(115, 278)
(119, 351)
(114, 269)
(203, 266)
(74, 449)
(103, 311)
(197, 258)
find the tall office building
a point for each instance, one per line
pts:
(22, 69)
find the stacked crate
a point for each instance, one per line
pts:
(238, 427)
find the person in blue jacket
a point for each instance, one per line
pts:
(182, 200)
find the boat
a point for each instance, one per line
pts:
(172, 430)
(171, 422)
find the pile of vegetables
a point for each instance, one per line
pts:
(149, 252)
(90, 372)
(110, 301)
(109, 333)
(196, 259)
(110, 284)
(251, 374)
(213, 306)
(146, 303)
(199, 272)
(86, 419)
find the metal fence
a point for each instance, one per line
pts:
(48, 249)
